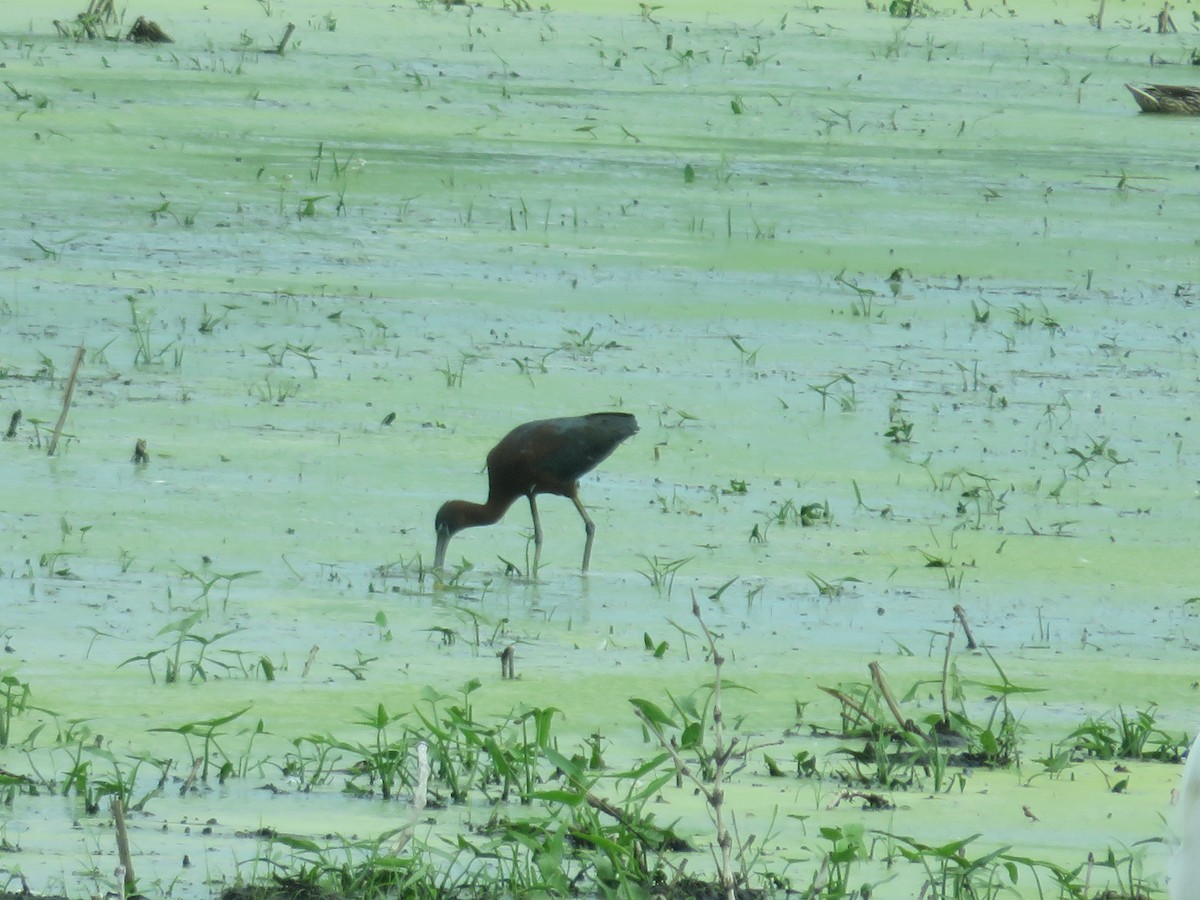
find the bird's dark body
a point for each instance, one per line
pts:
(551, 455)
(548, 456)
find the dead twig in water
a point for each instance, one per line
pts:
(946, 676)
(128, 881)
(961, 615)
(508, 658)
(420, 798)
(886, 692)
(67, 394)
(280, 48)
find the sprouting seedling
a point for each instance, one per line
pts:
(207, 580)
(953, 581)
(381, 624)
(99, 354)
(884, 511)
(1053, 764)
(359, 668)
(47, 252)
(66, 529)
(865, 297)
(658, 648)
(163, 209)
(51, 561)
(206, 730)
(452, 578)
(1100, 452)
(843, 395)
(899, 429)
(1022, 315)
(46, 367)
(511, 569)
(1049, 322)
(661, 574)
(209, 321)
(977, 494)
(981, 314)
(314, 172)
(14, 699)
(684, 417)
(140, 328)
(173, 655)
(809, 514)
(276, 392)
(528, 366)
(748, 357)
(306, 353)
(585, 345)
(754, 57)
(843, 117)
(308, 206)
(1112, 347)
(446, 635)
(454, 377)
(647, 12)
(274, 353)
(716, 595)
(763, 232)
(827, 589)
(523, 212)
(896, 280)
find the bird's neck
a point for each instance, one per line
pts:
(466, 514)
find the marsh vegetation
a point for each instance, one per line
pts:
(892, 594)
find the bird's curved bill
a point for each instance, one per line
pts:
(439, 554)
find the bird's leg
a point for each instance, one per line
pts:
(537, 536)
(589, 528)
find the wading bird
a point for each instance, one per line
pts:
(548, 456)
(1172, 99)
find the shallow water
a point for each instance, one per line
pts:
(519, 239)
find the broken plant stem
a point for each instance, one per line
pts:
(714, 794)
(128, 881)
(886, 692)
(946, 679)
(420, 798)
(67, 395)
(281, 47)
(961, 615)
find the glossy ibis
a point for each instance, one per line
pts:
(548, 456)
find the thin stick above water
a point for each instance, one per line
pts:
(67, 395)
(128, 879)
(961, 615)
